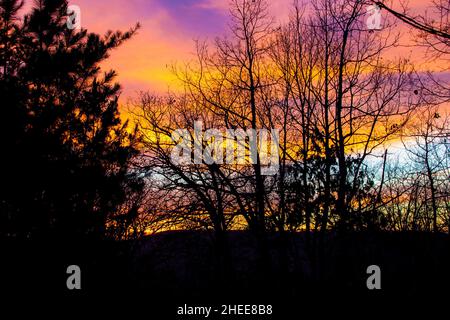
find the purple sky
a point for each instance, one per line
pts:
(169, 28)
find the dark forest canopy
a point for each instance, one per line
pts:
(71, 167)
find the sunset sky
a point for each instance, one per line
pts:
(169, 28)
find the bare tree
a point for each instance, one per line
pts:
(325, 82)
(433, 28)
(345, 99)
(228, 82)
(429, 155)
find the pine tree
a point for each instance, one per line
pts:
(67, 155)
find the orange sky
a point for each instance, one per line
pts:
(169, 28)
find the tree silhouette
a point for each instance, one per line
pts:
(66, 153)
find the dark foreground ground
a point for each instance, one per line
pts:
(158, 274)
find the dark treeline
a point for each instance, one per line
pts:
(343, 104)
(73, 172)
